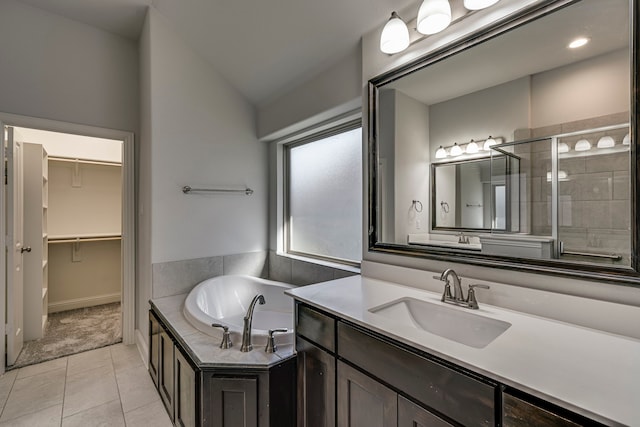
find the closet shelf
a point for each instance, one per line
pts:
(84, 238)
(85, 161)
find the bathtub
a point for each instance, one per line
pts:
(225, 300)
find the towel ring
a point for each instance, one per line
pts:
(444, 206)
(415, 204)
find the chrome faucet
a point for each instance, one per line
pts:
(458, 295)
(463, 239)
(248, 318)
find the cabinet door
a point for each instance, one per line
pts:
(154, 347)
(364, 402)
(519, 413)
(412, 415)
(185, 392)
(165, 377)
(316, 386)
(232, 402)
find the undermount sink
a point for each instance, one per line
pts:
(448, 322)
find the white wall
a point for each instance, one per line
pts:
(203, 134)
(60, 69)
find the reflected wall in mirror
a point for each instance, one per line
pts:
(555, 192)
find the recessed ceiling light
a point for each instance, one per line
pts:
(579, 42)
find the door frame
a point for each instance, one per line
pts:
(128, 255)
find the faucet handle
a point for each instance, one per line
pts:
(226, 336)
(271, 342)
(471, 295)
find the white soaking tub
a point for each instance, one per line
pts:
(225, 300)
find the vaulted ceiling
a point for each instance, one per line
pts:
(262, 47)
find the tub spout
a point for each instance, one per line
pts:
(248, 318)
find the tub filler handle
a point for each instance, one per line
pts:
(271, 342)
(226, 337)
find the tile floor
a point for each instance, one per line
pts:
(109, 386)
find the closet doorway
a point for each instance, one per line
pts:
(77, 247)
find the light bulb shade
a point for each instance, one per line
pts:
(441, 153)
(583, 145)
(433, 16)
(606, 142)
(456, 150)
(489, 143)
(395, 35)
(563, 147)
(478, 4)
(626, 140)
(472, 147)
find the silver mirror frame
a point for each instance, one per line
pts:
(628, 276)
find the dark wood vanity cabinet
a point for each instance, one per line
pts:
(210, 396)
(349, 376)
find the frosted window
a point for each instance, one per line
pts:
(325, 197)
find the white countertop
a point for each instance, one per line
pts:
(590, 372)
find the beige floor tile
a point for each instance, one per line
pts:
(126, 357)
(6, 384)
(122, 351)
(39, 368)
(136, 388)
(153, 414)
(106, 415)
(33, 393)
(48, 417)
(89, 360)
(88, 389)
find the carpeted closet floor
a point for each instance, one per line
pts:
(74, 331)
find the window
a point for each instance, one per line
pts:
(323, 196)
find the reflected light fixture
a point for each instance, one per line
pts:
(582, 145)
(562, 176)
(490, 142)
(433, 16)
(478, 4)
(626, 140)
(472, 147)
(456, 150)
(441, 153)
(579, 42)
(395, 35)
(563, 147)
(606, 142)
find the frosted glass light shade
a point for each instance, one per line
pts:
(395, 35)
(606, 142)
(478, 4)
(563, 147)
(433, 16)
(489, 143)
(583, 145)
(441, 153)
(456, 150)
(626, 140)
(472, 147)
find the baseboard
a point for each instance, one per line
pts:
(143, 348)
(71, 304)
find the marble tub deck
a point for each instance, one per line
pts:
(204, 349)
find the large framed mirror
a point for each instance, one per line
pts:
(514, 147)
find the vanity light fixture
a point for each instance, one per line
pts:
(563, 147)
(606, 142)
(478, 4)
(626, 140)
(472, 147)
(582, 145)
(490, 142)
(456, 150)
(395, 35)
(433, 16)
(579, 42)
(441, 153)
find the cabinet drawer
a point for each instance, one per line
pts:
(456, 395)
(519, 413)
(315, 326)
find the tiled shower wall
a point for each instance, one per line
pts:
(178, 277)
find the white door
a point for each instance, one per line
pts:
(15, 248)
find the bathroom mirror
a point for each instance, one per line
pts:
(520, 147)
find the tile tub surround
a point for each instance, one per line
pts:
(203, 348)
(558, 362)
(108, 386)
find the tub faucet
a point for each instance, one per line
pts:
(248, 318)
